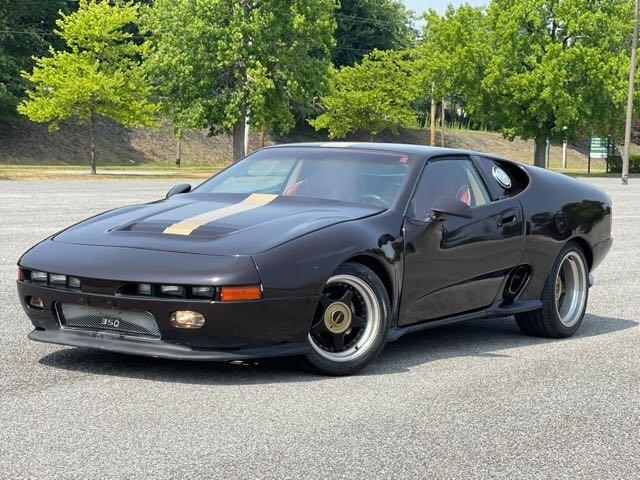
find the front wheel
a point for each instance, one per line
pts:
(564, 297)
(351, 323)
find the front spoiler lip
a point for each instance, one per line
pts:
(157, 348)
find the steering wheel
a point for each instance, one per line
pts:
(372, 198)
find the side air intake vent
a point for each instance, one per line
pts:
(516, 281)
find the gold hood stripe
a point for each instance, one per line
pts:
(187, 226)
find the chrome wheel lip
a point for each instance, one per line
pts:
(571, 288)
(372, 326)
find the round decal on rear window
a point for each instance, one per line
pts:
(501, 177)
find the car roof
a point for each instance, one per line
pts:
(406, 148)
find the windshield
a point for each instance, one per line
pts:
(348, 175)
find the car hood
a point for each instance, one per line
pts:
(213, 224)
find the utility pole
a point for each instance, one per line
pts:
(632, 81)
(432, 138)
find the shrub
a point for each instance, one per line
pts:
(614, 164)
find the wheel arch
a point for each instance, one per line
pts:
(586, 249)
(380, 269)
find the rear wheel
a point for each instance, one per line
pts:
(564, 297)
(351, 323)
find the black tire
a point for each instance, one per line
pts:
(546, 321)
(376, 331)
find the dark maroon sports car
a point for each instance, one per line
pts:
(324, 251)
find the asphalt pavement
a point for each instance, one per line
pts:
(473, 400)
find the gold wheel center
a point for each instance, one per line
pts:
(337, 317)
(559, 287)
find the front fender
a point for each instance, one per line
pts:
(301, 267)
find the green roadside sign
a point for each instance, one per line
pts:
(599, 148)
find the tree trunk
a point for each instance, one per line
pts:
(432, 137)
(238, 140)
(93, 142)
(178, 151)
(443, 121)
(263, 136)
(539, 153)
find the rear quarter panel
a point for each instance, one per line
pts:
(558, 209)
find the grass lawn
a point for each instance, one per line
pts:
(70, 172)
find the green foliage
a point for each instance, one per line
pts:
(367, 25)
(614, 164)
(99, 74)
(25, 31)
(214, 60)
(372, 96)
(554, 64)
(452, 54)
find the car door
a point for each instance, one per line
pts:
(455, 265)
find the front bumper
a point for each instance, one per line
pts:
(233, 330)
(113, 342)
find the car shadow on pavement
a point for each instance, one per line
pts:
(478, 338)
(481, 338)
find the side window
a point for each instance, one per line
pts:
(448, 178)
(505, 179)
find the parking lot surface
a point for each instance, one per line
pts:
(472, 400)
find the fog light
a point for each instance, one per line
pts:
(186, 319)
(144, 289)
(234, 294)
(74, 282)
(58, 279)
(202, 292)
(173, 290)
(36, 303)
(37, 276)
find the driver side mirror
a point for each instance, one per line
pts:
(180, 188)
(451, 207)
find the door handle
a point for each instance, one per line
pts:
(510, 216)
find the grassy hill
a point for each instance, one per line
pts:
(32, 144)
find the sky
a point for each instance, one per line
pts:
(420, 6)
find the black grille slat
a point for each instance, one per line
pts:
(137, 322)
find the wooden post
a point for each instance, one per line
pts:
(443, 121)
(432, 137)
(589, 157)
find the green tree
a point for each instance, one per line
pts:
(451, 57)
(99, 74)
(555, 64)
(367, 25)
(217, 61)
(372, 96)
(25, 30)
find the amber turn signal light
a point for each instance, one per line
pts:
(246, 292)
